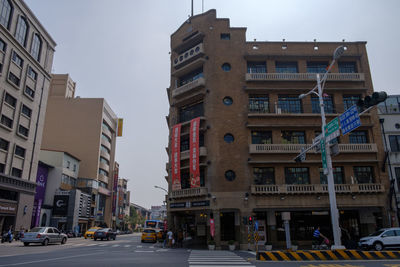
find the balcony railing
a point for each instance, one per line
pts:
(294, 107)
(189, 192)
(186, 154)
(315, 189)
(358, 77)
(188, 87)
(295, 148)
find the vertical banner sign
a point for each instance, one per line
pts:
(41, 180)
(120, 123)
(115, 187)
(194, 153)
(212, 228)
(176, 157)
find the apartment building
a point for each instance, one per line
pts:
(26, 58)
(237, 123)
(86, 128)
(123, 198)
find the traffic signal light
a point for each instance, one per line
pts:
(372, 100)
(250, 220)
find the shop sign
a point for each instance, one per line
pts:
(203, 203)
(176, 157)
(60, 205)
(9, 208)
(212, 227)
(177, 205)
(194, 153)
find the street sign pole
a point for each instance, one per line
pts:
(331, 185)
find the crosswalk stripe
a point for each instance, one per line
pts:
(139, 246)
(127, 246)
(102, 245)
(114, 246)
(216, 258)
(90, 245)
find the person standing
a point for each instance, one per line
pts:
(10, 234)
(170, 237)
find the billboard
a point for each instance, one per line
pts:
(41, 181)
(60, 205)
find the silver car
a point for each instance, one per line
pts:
(44, 235)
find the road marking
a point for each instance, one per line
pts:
(102, 245)
(90, 245)
(127, 246)
(139, 246)
(53, 259)
(199, 258)
(114, 246)
(140, 251)
(151, 247)
(162, 250)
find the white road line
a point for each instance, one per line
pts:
(76, 245)
(139, 246)
(162, 250)
(151, 247)
(114, 246)
(127, 246)
(53, 259)
(140, 251)
(102, 245)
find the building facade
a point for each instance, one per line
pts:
(26, 58)
(123, 197)
(158, 212)
(241, 100)
(88, 131)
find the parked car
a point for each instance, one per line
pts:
(44, 235)
(90, 233)
(105, 233)
(149, 235)
(383, 238)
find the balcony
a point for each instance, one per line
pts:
(200, 82)
(254, 77)
(186, 154)
(315, 189)
(188, 55)
(295, 148)
(189, 192)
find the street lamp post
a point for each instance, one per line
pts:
(331, 185)
(159, 187)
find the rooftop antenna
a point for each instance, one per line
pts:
(192, 8)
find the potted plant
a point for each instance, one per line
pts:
(231, 244)
(268, 246)
(211, 244)
(295, 245)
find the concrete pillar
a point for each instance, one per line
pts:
(217, 223)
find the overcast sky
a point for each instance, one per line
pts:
(118, 50)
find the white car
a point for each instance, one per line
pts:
(383, 238)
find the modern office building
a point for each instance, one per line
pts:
(389, 118)
(26, 58)
(236, 124)
(86, 128)
(123, 198)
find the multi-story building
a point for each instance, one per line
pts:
(86, 128)
(123, 197)
(26, 58)
(389, 118)
(141, 211)
(241, 100)
(158, 212)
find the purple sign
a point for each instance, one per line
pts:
(41, 180)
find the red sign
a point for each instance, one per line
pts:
(194, 153)
(176, 157)
(212, 227)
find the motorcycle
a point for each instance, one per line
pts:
(6, 237)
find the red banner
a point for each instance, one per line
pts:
(176, 157)
(194, 153)
(212, 227)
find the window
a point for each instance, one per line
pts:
(23, 131)
(26, 111)
(103, 172)
(350, 100)
(347, 67)
(105, 137)
(36, 47)
(188, 78)
(229, 138)
(358, 137)
(74, 168)
(3, 46)
(32, 73)
(17, 59)
(65, 179)
(328, 104)
(259, 103)
(102, 160)
(4, 144)
(106, 127)
(68, 164)
(225, 36)
(2, 167)
(103, 148)
(29, 92)
(185, 145)
(14, 79)
(297, 176)
(19, 151)
(391, 105)
(364, 175)
(6, 121)
(16, 172)
(9, 99)
(397, 173)
(289, 104)
(394, 141)
(230, 175)
(226, 67)
(191, 112)
(286, 67)
(5, 13)
(50, 231)
(261, 137)
(338, 175)
(227, 101)
(22, 30)
(264, 175)
(256, 67)
(317, 67)
(292, 137)
(7, 194)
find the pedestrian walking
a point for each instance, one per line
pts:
(164, 236)
(170, 238)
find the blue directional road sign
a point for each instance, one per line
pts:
(256, 226)
(349, 120)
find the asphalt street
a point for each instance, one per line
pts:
(127, 250)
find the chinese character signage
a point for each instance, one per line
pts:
(120, 124)
(176, 157)
(194, 153)
(41, 180)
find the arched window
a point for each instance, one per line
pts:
(44, 220)
(36, 46)
(22, 31)
(5, 12)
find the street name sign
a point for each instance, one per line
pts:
(323, 156)
(350, 120)
(332, 130)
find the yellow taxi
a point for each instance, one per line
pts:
(149, 235)
(90, 233)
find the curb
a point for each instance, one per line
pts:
(324, 255)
